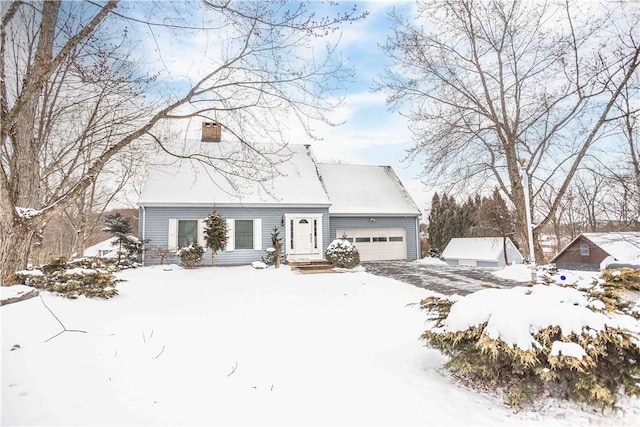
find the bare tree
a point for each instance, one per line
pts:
(72, 82)
(491, 82)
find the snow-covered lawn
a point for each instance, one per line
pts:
(229, 346)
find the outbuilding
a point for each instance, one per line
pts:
(589, 250)
(481, 252)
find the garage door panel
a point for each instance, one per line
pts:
(377, 244)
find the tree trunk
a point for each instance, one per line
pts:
(14, 247)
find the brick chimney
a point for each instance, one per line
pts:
(211, 132)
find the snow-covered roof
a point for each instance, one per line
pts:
(358, 189)
(269, 175)
(478, 248)
(95, 250)
(623, 246)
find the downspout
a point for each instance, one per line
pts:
(418, 253)
(144, 231)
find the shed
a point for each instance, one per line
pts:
(481, 252)
(589, 250)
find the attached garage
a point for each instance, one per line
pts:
(377, 244)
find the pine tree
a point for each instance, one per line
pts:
(215, 233)
(120, 228)
(277, 245)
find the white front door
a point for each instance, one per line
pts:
(303, 235)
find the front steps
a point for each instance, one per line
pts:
(312, 266)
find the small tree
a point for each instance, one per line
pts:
(274, 253)
(120, 228)
(215, 233)
(191, 255)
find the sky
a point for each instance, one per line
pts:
(370, 133)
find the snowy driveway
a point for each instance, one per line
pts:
(438, 278)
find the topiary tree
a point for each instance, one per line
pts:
(341, 253)
(215, 233)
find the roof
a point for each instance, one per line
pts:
(374, 190)
(105, 245)
(478, 248)
(623, 246)
(234, 174)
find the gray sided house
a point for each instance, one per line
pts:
(481, 252)
(305, 201)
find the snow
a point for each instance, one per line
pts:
(622, 246)
(183, 182)
(515, 315)
(515, 272)
(28, 213)
(14, 291)
(258, 265)
(481, 249)
(432, 261)
(238, 346)
(357, 189)
(569, 349)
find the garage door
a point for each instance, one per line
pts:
(377, 244)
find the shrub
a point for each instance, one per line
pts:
(341, 253)
(571, 343)
(191, 255)
(85, 276)
(270, 256)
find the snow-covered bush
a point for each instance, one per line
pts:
(546, 339)
(191, 255)
(341, 253)
(270, 256)
(85, 276)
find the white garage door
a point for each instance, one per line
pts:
(377, 244)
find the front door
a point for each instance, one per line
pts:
(303, 236)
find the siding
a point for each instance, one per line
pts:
(157, 225)
(408, 223)
(571, 258)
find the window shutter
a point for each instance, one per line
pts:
(172, 240)
(231, 245)
(201, 240)
(257, 234)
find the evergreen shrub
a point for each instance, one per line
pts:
(191, 255)
(605, 365)
(71, 279)
(341, 253)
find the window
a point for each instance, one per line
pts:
(363, 239)
(244, 234)
(187, 232)
(395, 239)
(379, 239)
(584, 249)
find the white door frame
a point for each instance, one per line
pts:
(317, 242)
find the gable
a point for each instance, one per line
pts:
(478, 248)
(364, 189)
(234, 175)
(623, 246)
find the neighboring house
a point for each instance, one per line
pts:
(309, 203)
(589, 250)
(104, 249)
(481, 252)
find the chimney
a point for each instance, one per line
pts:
(211, 132)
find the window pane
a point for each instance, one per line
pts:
(584, 250)
(187, 233)
(244, 234)
(395, 239)
(379, 239)
(363, 239)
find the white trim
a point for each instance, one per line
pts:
(231, 236)
(172, 238)
(236, 205)
(200, 233)
(257, 234)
